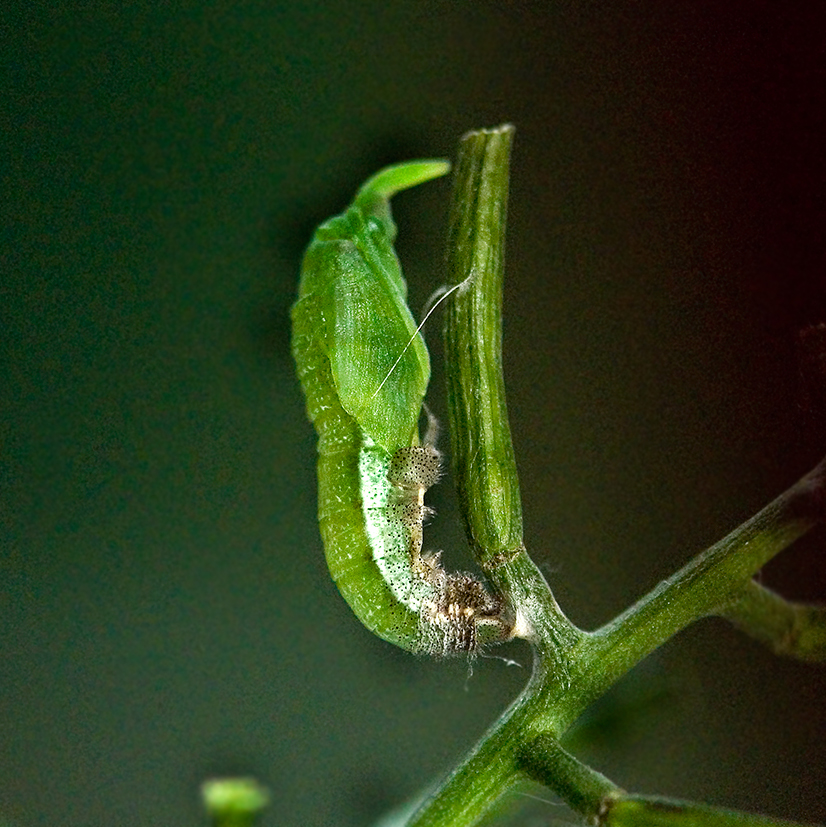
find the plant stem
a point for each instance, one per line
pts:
(571, 667)
(708, 584)
(486, 473)
(583, 789)
(656, 811)
(484, 463)
(483, 459)
(795, 630)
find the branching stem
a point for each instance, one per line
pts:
(573, 668)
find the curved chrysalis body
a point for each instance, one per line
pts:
(364, 369)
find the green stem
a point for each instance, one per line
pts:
(571, 668)
(796, 630)
(656, 811)
(486, 473)
(485, 775)
(707, 585)
(604, 804)
(584, 790)
(484, 464)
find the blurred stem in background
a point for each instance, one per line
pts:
(234, 802)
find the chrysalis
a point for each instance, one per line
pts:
(364, 369)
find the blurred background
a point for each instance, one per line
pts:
(165, 610)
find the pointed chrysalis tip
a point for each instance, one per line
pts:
(397, 177)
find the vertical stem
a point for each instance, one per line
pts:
(484, 463)
(483, 458)
(487, 480)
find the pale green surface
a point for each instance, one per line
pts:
(352, 299)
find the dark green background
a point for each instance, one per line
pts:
(166, 611)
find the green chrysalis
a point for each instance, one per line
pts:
(364, 369)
